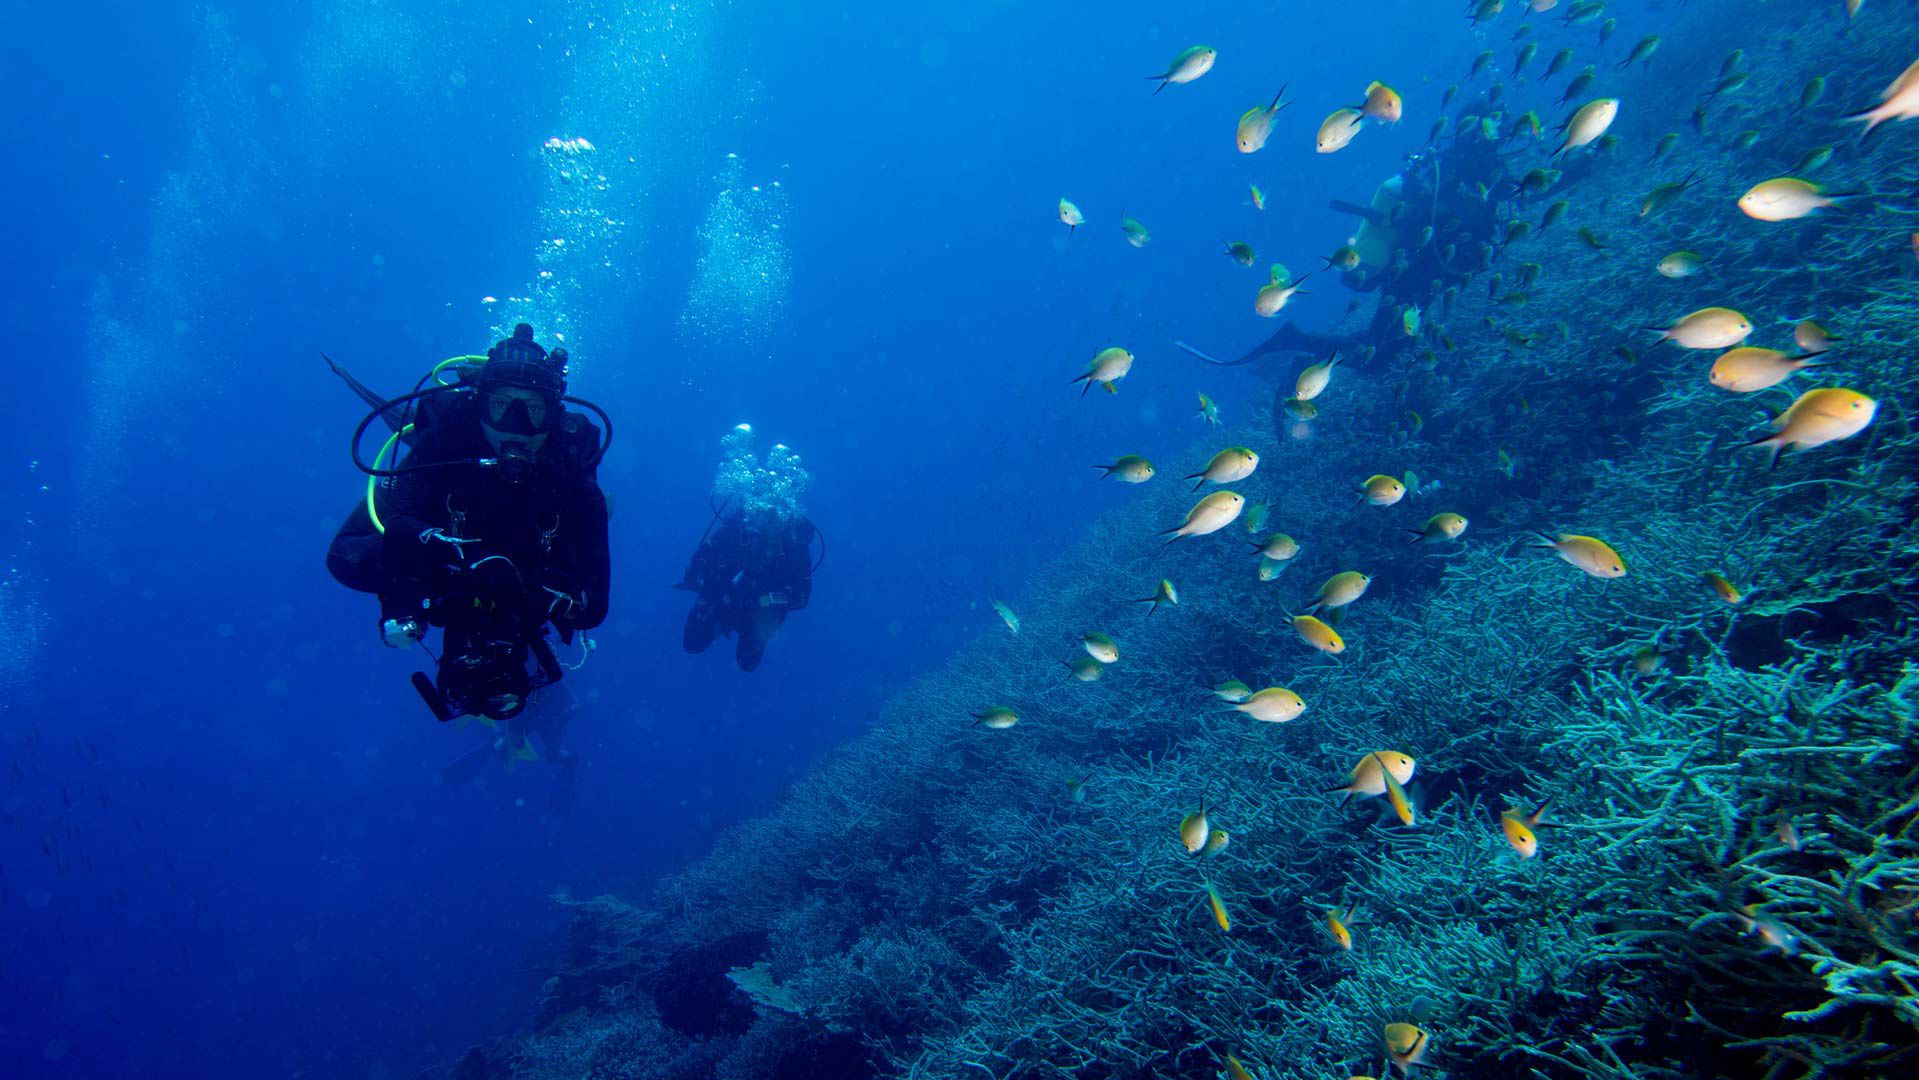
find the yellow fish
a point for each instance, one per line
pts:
(1337, 130)
(1406, 1045)
(1339, 590)
(1273, 297)
(1274, 705)
(1193, 829)
(1519, 828)
(1828, 414)
(1395, 792)
(1382, 490)
(1215, 843)
(999, 718)
(1368, 778)
(1100, 647)
(1256, 123)
(1219, 909)
(1166, 595)
(1588, 124)
(1208, 515)
(1336, 926)
(1707, 328)
(1592, 555)
(1109, 366)
(1229, 466)
(1085, 668)
(1723, 589)
(1278, 547)
(1317, 634)
(1680, 264)
(1748, 369)
(1788, 198)
(1439, 528)
(1313, 381)
(1812, 337)
(1190, 64)
(1131, 469)
(1070, 214)
(1382, 103)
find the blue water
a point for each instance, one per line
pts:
(223, 850)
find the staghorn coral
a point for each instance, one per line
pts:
(937, 892)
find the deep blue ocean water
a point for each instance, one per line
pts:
(223, 850)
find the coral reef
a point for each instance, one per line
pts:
(1727, 874)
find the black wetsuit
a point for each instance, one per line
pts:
(550, 527)
(748, 579)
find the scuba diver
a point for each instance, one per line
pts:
(492, 527)
(757, 566)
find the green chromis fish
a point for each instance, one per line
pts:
(1136, 233)
(1666, 142)
(1070, 215)
(1662, 197)
(1810, 94)
(1241, 252)
(1208, 411)
(1270, 569)
(1085, 668)
(1108, 367)
(1642, 52)
(1592, 239)
(1100, 647)
(1256, 124)
(1165, 596)
(1814, 159)
(1554, 213)
(1232, 691)
(999, 718)
(1131, 469)
(1558, 63)
(1681, 264)
(1006, 616)
(1190, 64)
(1259, 203)
(1255, 517)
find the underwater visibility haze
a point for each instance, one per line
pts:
(991, 540)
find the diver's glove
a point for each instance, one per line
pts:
(399, 633)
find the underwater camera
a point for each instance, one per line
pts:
(484, 670)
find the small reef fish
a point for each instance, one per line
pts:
(1812, 337)
(1256, 123)
(1076, 789)
(1259, 199)
(1069, 213)
(1314, 379)
(1278, 547)
(1681, 264)
(1136, 233)
(1707, 328)
(1382, 103)
(1345, 258)
(1339, 590)
(1774, 933)
(1274, 705)
(1241, 252)
(1396, 794)
(1336, 928)
(1439, 528)
(1788, 198)
(1273, 297)
(1594, 556)
(1518, 829)
(1899, 102)
(1131, 469)
(1747, 369)
(1255, 517)
(1313, 631)
(1215, 843)
(1368, 778)
(1193, 829)
(1085, 668)
(1108, 367)
(1219, 909)
(1208, 515)
(1382, 490)
(1166, 595)
(1588, 124)
(1722, 588)
(1232, 690)
(1818, 417)
(1337, 130)
(1660, 198)
(1006, 616)
(1190, 64)
(1270, 569)
(999, 718)
(1208, 411)
(1100, 647)
(1229, 466)
(1406, 1046)
(1642, 52)
(1235, 1070)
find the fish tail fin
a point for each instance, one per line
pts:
(1869, 117)
(1772, 445)
(1546, 539)
(1105, 470)
(1282, 93)
(1540, 812)
(1418, 535)
(1163, 80)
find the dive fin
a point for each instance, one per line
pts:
(1366, 212)
(395, 416)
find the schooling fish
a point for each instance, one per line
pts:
(1241, 252)
(1382, 490)
(1396, 794)
(1899, 102)
(1589, 123)
(1316, 633)
(1746, 370)
(1193, 829)
(1232, 690)
(1085, 668)
(1519, 827)
(1166, 595)
(1314, 379)
(1256, 123)
(1439, 528)
(1274, 705)
(1788, 198)
(1208, 515)
(1273, 297)
(999, 718)
(1725, 590)
(1190, 64)
(1818, 417)
(1219, 909)
(1368, 778)
(1336, 928)
(1337, 130)
(1707, 328)
(1382, 103)
(1070, 214)
(1108, 367)
(1278, 547)
(1131, 469)
(1006, 616)
(1136, 233)
(1208, 411)
(1812, 337)
(1338, 591)
(1681, 264)
(1594, 556)
(1229, 466)
(1100, 647)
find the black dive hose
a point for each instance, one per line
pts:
(359, 432)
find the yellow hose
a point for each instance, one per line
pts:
(373, 481)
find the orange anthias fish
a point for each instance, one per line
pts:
(1335, 926)
(1723, 589)
(1394, 792)
(1519, 828)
